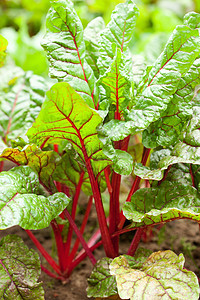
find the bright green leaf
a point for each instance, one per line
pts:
(66, 50)
(20, 203)
(117, 33)
(166, 202)
(70, 118)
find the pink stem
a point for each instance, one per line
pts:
(59, 244)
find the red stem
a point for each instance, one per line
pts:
(73, 214)
(192, 176)
(49, 273)
(107, 173)
(80, 237)
(135, 185)
(59, 244)
(1, 166)
(44, 253)
(165, 175)
(85, 219)
(135, 241)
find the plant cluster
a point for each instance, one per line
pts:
(84, 134)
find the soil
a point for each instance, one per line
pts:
(181, 236)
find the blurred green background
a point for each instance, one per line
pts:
(22, 23)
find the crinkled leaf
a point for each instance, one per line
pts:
(118, 32)
(3, 46)
(66, 50)
(70, 118)
(166, 202)
(19, 270)
(68, 171)
(116, 82)
(91, 37)
(162, 276)
(101, 283)
(162, 82)
(20, 105)
(44, 163)
(20, 203)
(170, 127)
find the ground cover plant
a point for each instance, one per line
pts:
(83, 133)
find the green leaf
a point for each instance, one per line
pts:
(91, 37)
(44, 163)
(66, 50)
(20, 203)
(162, 276)
(173, 122)
(162, 82)
(116, 82)
(101, 283)
(3, 46)
(117, 33)
(19, 270)
(166, 202)
(21, 102)
(70, 118)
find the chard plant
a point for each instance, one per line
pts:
(84, 134)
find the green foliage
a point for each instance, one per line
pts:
(19, 270)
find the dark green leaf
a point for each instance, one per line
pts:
(19, 271)
(101, 283)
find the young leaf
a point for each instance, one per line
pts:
(66, 50)
(170, 127)
(70, 118)
(118, 32)
(20, 203)
(116, 82)
(162, 276)
(3, 46)
(91, 37)
(101, 283)
(21, 102)
(19, 270)
(174, 62)
(168, 201)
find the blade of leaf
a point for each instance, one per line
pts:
(119, 32)
(66, 50)
(91, 37)
(162, 276)
(174, 62)
(21, 102)
(101, 283)
(167, 202)
(20, 203)
(169, 128)
(19, 270)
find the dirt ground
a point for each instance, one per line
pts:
(179, 236)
